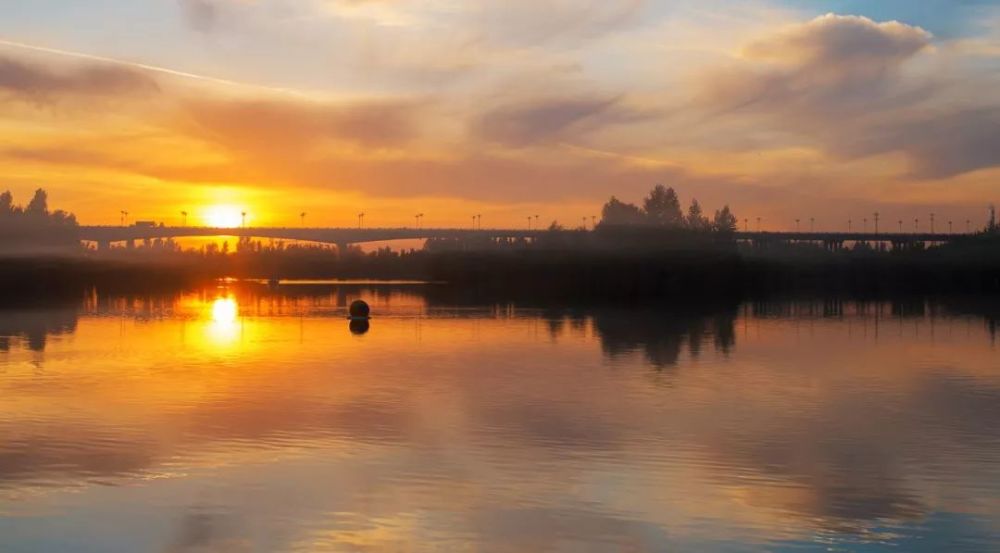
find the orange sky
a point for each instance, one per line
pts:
(507, 109)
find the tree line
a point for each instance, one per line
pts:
(662, 208)
(36, 213)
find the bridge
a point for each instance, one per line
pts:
(342, 237)
(836, 240)
(105, 235)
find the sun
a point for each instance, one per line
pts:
(224, 216)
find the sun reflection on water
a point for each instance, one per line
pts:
(224, 327)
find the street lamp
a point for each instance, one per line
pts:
(529, 222)
(361, 220)
(758, 224)
(302, 218)
(866, 225)
(812, 224)
(184, 216)
(916, 225)
(796, 225)
(932, 223)
(243, 215)
(901, 226)
(876, 222)
(849, 225)
(950, 231)
(746, 225)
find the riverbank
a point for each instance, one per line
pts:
(554, 272)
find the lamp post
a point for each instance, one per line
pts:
(876, 222)
(796, 225)
(901, 226)
(916, 225)
(849, 225)
(932, 223)
(812, 224)
(758, 224)
(866, 225)
(746, 225)
(529, 222)
(184, 218)
(593, 222)
(584, 222)
(950, 231)
(243, 219)
(361, 220)
(302, 218)
(968, 226)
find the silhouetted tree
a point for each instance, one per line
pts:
(39, 204)
(616, 212)
(725, 221)
(6, 204)
(696, 220)
(663, 208)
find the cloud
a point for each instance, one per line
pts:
(202, 15)
(857, 88)
(830, 65)
(288, 125)
(27, 81)
(537, 120)
(846, 42)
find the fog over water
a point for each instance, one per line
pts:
(244, 417)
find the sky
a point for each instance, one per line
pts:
(819, 110)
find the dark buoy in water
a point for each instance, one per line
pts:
(359, 315)
(359, 310)
(359, 326)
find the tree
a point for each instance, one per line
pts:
(696, 219)
(616, 212)
(663, 208)
(6, 204)
(39, 204)
(725, 221)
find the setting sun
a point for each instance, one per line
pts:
(224, 216)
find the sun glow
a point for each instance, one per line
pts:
(224, 216)
(224, 327)
(224, 311)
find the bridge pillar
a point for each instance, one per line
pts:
(130, 244)
(103, 245)
(342, 248)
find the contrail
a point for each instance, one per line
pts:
(143, 66)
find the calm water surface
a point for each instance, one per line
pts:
(240, 418)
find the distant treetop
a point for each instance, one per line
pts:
(662, 208)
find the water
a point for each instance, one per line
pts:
(242, 418)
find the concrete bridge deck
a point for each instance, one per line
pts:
(342, 236)
(325, 235)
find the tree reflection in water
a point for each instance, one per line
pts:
(33, 327)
